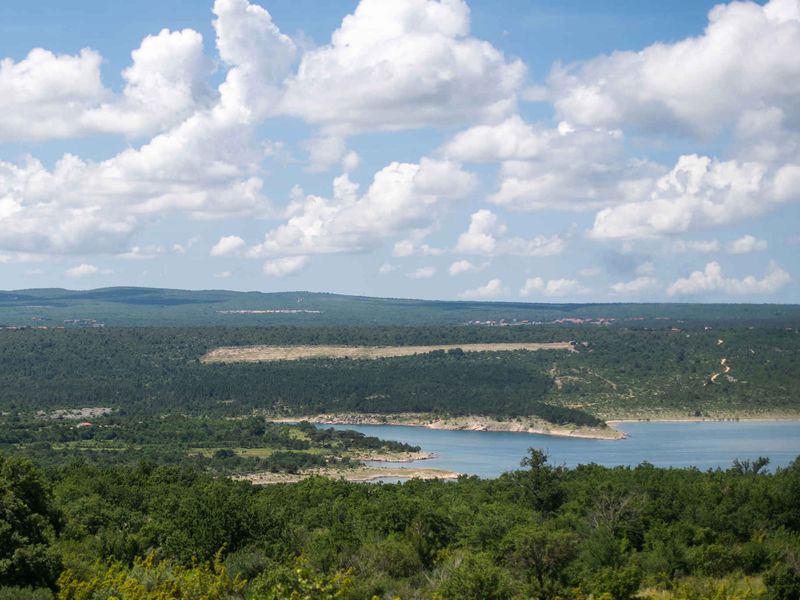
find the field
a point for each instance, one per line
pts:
(274, 353)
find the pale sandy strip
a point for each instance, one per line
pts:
(272, 353)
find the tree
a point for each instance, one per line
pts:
(543, 553)
(540, 483)
(28, 524)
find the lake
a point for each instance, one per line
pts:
(704, 445)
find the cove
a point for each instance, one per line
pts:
(704, 445)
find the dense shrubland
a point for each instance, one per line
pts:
(80, 531)
(218, 446)
(616, 372)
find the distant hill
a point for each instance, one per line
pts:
(133, 306)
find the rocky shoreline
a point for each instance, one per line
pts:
(470, 423)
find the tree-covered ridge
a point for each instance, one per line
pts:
(616, 372)
(132, 306)
(544, 532)
(214, 445)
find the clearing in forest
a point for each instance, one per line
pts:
(273, 353)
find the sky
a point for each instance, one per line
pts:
(536, 150)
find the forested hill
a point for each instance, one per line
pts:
(131, 306)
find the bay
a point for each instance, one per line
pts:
(704, 445)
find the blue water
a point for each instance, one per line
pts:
(704, 445)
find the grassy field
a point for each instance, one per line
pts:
(275, 353)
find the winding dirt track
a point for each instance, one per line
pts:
(724, 364)
(273, 353)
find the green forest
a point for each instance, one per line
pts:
(211, 445)
(79, 531)
(143, 499)
(147, 307)
(615, 372)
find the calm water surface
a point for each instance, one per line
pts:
(703, 445)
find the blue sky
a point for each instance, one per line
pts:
(543, 151)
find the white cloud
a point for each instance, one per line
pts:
(554, 168)
(85, 270)
(711, 280)
(46, 96)
(325, 151)
(464, 266)
(405, 248)
(486, 236)
(645, 268)
(590, 271)
(403, 64)
(746, 244)
(699, 192)
(260, 56)
(350, 161)
(558, 288)
(223, 275)
(22, 257)
(636, 286)
(493, 289)
(700, 85)
(286, 265)
(143, 252)
(423, 273)
(402, 198)
(228, 245)
(386, 268)
(165, 84)
(700, 246)
(208, 166)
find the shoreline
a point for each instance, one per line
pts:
(727, 419)
(393, 457)
(472, 423)
(356, 475)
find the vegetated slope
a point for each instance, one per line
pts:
(615, 373)
(130, 306)
(219, 446)
(540, 532)
(234, 354)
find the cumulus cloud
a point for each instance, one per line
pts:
(699, 246)
(47, 96)
(486, 236)
(553, 287)
(699, 192)
(493, 289)
(228, 245)
(636, 286)
(590, 271)
(325, 151)
(464, 266)
(222, 275)
(85, 270)
(405, 248)
(746, 244)
(386, 268)
(403, 64)
(403, 197)
(207, 166)
(423, 273)
(165, 83)
(286, 265)
(554, 168)
(143, 252)
(700, 85)
(711, 280)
